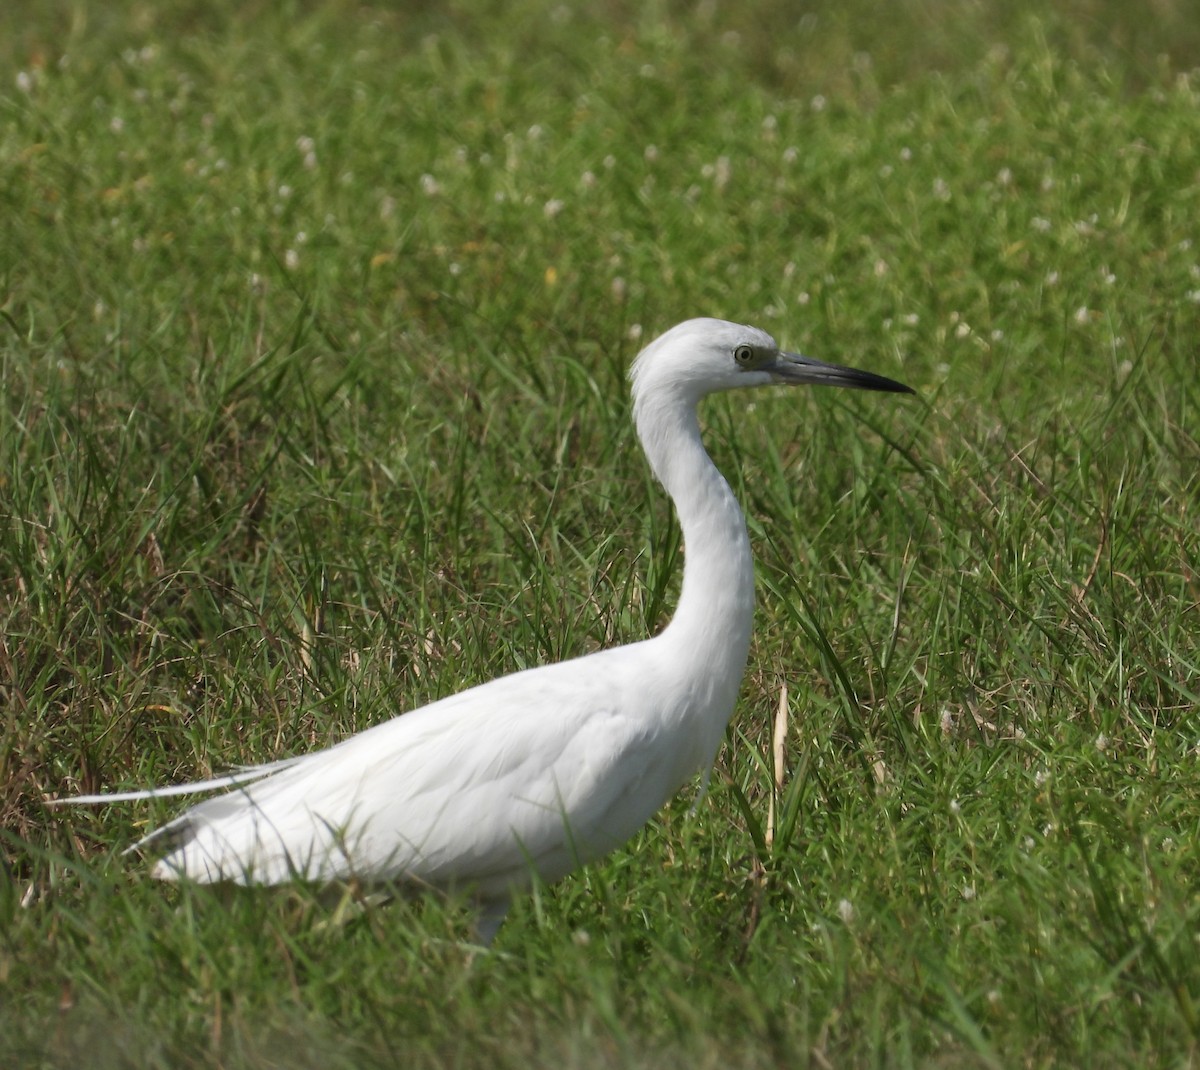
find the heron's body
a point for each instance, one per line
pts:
(546, 769)
(539, 771)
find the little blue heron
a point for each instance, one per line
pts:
(542, 771)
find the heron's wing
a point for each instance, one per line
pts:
(550, 804)
(538, 769)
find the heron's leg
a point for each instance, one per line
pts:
(491, 915)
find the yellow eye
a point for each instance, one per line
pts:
(744, 355)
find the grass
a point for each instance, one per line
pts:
(315, 323)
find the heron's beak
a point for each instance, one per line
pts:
(796, 369)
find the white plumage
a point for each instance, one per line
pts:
(546, 769)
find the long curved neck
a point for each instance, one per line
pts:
(710, 632)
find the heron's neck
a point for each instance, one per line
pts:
(710, 631)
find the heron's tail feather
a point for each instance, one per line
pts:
(244, 775)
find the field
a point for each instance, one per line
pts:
(315, 320)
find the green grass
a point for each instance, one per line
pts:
(314, 323)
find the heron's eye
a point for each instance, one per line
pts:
(744, 355)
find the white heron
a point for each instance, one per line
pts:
(541, 771)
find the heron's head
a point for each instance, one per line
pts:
(701, 356)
